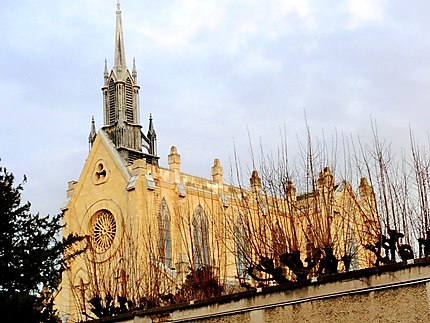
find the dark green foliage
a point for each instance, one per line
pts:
(31, 260)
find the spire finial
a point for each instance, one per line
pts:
(106, 69)
(152, 137)
(93, 132)
(134, 72)
(118, 6)
(151, 130)
(119, 40)
(105, 73)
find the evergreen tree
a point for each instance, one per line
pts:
(31, 256)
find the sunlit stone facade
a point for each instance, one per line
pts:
(147, 225)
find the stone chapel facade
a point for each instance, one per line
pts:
(147, 225)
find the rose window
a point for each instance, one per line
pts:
(104, 230)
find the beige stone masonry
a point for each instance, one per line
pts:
(394, 293)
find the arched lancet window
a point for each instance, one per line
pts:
(352, 249)
(242, 248)
(200, 238)
(278, 243)
(165, 237)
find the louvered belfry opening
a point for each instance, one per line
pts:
(129, 111)
(112, 110)
(121, 111)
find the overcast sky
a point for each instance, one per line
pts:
(209, 71)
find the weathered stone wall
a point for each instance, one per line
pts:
(395, 293)
(404, 304)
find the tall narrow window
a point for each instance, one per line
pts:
(165, 237)
(201, 238)
(112, 113)
(352, 249)
(242, 248)
(129, 101)
(279, 244)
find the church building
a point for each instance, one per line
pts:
(147, 227)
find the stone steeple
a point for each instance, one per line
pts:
(121, 105)
(119, 41)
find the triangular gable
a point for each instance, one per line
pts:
(124, 75)
(119, 161)
(101, 142)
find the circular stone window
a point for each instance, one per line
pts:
(104, 230)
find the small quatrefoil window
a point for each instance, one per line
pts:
(100, 172)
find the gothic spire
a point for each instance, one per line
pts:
(152, 137)
(151, 130)
(134, 72)
(119, 40)
(93, 133)
(106, 73)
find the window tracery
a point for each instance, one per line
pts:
(201, 238)
(104, 230)
(165, 237)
